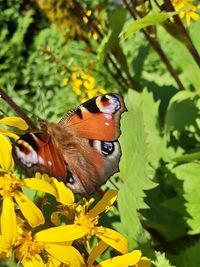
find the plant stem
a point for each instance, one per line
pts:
(157, 47)
(189, 44)
(17, 109)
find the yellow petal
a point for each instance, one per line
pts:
(61, 233)
(32, 261)
(52, 262)
(8, 221)
(96, 252)
(65, 195)
(113, 239)
(30, 211)
(144, 262)
(8, 133)
(6, 160)
(16, 122)
(55, 218)
(107, 200)
(5, 248)
(66, 254)
(41, 185)
(129, 259)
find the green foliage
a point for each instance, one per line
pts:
(158, 202)
(149, 20)
(187, 257)
(161, 260)
(133, 166)
(188, 173)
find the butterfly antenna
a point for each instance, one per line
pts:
(17, 109)
(117, 188)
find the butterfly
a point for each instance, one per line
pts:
(82, 149)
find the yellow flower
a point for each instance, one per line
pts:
(130, 259)
(6, 160)
(11, 192)
(189, 10)
(85, 225)
(83, 85)
(14, 122)
(133, 259)
(29, 251)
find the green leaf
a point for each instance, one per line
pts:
(149, 20)
(111, 40)
(156, 142)
(183, 112)
(161, 260)
(133, 166)
(189, 257)
(188, 157)
(188, 173)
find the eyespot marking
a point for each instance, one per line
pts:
(107, 148)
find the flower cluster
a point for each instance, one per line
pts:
(189, 10)
(70, 18)
(83, 84)
(36, 240)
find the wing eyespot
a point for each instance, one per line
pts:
(107, 148)
(70, 178)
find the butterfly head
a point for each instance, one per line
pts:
(43, 125)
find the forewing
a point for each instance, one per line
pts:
(97, 119)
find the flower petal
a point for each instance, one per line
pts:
(144, 262)
(61, 233)
(113, 239)
(8, 133)
(8, 221)
(129, 259)
(107, 200)
(66, 254)
(6, 160)
(30, 211)
(16, 122)
(96, 252)
(65, 195)
(41, 185)
(5, 248)
(52, 262)
(32, 261)
(55, 218)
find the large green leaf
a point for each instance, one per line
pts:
(183, 113)
(188, 173)
(133, 165)
(189, 257)
(149, 20)
(156, 141)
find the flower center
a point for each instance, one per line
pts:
(29, 247)
(85, 219)
(9, 183)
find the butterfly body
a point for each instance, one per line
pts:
(81, 150)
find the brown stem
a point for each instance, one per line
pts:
(17, 109)
(188, 44)
(157, 47)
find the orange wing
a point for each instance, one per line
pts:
(98, 118)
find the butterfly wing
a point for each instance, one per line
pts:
(36, 152)
(97, 119)
(96, 122)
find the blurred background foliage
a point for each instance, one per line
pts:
(55, 54)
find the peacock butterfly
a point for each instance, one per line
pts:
(81, 150)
